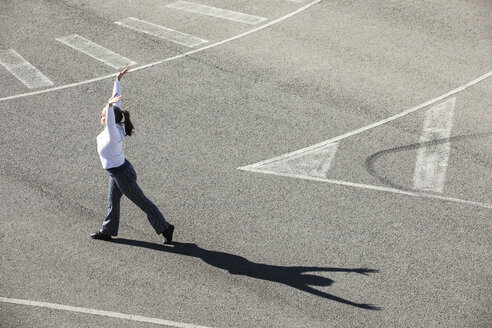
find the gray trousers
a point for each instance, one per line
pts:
(122, 183)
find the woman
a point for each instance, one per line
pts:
(122, 176)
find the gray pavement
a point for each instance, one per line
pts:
(359, 247)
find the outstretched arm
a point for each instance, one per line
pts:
(114, 99)
(110, 120)
(117, 85)
(319, 293)
(114, 134)
(120, 74)
(363, 271)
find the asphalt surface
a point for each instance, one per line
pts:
(251, 249)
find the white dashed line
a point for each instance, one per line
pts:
(217, 12)
(23, 70)
(111, 314)
(96, 51)
(191, 52)
(161, 32)
(432, 161)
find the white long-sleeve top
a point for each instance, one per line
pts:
(110, 140)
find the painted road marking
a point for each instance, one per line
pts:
(96, 51)
(389, 119)
(257, 166)
(161, 32)
(217, 12)
(118, 315)
(432, 161)
(189, 53)
(313, 163)
(321, 144)
(23, 70)
(371, 187)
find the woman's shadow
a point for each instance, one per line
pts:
(295, 277)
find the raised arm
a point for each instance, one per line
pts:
(117, 92)
(120, 74)
(115, 99)
(117, 85)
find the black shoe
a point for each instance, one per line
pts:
(100, 235)
(168, 234)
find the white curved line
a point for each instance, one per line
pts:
(278, 20)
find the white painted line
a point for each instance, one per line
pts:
(373, 125)
(298, 1)
(23, 70)
(432, 161)
(191, 52)
(96, 51)
(372, 187)
(315, 163)
(111, 314)
(256, 167)
(161, 32)
(217, 12)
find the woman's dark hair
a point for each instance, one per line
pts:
(118, 116)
